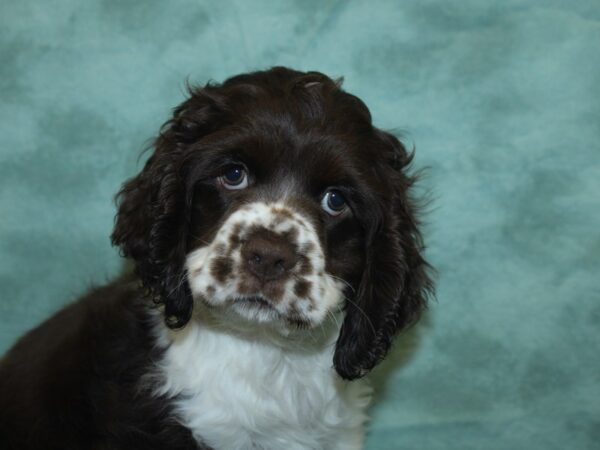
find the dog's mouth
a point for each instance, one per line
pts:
(257, 308)
(254, 301)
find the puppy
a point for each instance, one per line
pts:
(276, 255)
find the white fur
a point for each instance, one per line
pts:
(257, 389)
(240, 376)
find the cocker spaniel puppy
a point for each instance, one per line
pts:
(277, 254)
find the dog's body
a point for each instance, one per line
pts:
(273, 229)
(109, 374)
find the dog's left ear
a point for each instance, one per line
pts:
(395, 284)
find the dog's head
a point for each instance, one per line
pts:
(272, 195)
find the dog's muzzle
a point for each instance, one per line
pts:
(266, 262)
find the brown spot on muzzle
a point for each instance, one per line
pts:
(290, 236)
(282, 213)
(234, 242)
(305, 266)
(221, 268)
(301, 288)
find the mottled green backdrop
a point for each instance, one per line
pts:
(501, 100)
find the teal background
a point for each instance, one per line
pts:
(501, 100)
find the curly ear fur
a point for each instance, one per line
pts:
(153, 215)
(395, 284)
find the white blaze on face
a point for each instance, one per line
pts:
(217, 276)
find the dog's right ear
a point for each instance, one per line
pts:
(151, 225)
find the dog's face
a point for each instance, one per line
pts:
(284, 239)
(273, 197)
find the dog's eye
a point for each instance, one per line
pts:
(234, 177)
(334, 203)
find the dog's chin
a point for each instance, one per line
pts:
(256, 310)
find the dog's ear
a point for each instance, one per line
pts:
(152, 221)
(395, 284)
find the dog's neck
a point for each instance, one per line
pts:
(237, 385)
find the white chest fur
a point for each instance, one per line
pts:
(238, 391)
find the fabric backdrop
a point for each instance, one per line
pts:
(500, 100)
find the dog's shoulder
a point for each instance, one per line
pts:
(70, 334)
(73, 381)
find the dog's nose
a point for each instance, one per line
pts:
(268, 256)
